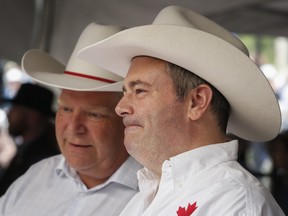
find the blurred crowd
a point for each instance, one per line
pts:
(27, 130)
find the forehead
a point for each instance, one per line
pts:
(144, 67)
(89, 98)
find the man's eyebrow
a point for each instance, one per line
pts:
(132, 84)
(60, 101)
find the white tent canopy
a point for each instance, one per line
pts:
(55, 25)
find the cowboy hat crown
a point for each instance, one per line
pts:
(78, 74)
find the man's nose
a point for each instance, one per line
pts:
(124, 107)
(76, 124)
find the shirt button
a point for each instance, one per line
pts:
(179, 184)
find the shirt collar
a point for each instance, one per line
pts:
(199, 159)
(191, 162)
(125, 174)
(63, 170)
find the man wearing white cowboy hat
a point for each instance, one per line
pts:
(187, 82)
(94, 175)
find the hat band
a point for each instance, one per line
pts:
(89, 77)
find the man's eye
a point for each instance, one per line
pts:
(95, 115)
(138, 91)
(65, 109)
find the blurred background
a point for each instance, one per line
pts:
(55, 25)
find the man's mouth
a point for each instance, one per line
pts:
(130, 123)
(80, 145)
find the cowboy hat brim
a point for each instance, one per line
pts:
(255, 113)
(45, 69)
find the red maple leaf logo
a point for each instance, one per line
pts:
(190, 209)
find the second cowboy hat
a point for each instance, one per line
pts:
(78, 75)
(192, 41)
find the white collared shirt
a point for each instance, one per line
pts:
(206, 181)
(51, 188)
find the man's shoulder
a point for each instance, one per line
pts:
(52, 162)
(44, 167)
(39, 173)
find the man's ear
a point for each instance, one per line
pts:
(199, 101)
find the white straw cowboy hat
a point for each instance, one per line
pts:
(78, 74)
(201, 46)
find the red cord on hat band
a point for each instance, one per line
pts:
(89, 77)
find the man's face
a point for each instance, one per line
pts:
(151, 114)
(89, 133)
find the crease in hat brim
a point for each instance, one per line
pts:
(45, 69)
(255, 113)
